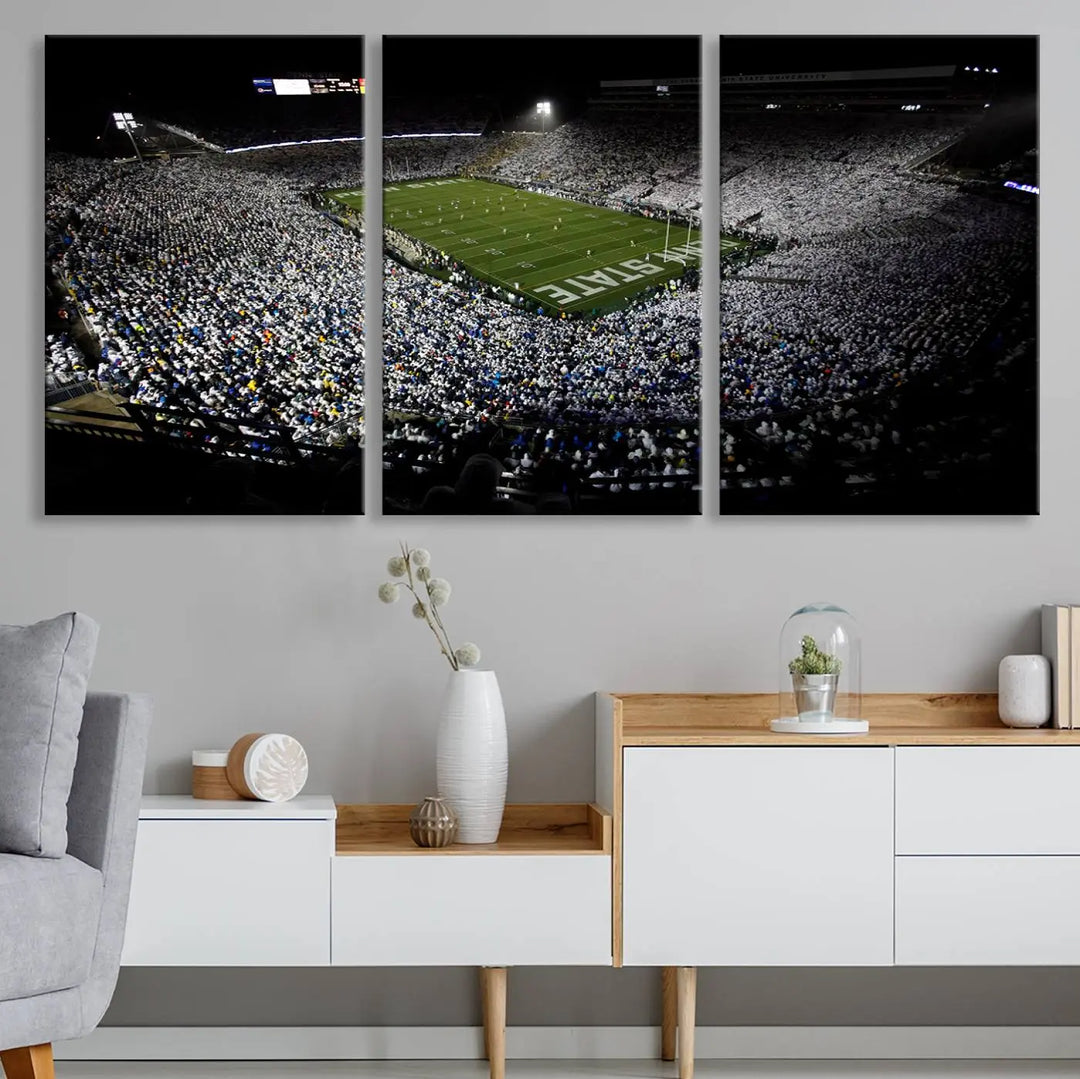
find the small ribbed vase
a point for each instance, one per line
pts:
(432, 823)
(470, 758)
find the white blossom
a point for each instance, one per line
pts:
(396, 566)
(468, 655)
(439, 590)
(423, 574)
(420, 558)
(388, 592)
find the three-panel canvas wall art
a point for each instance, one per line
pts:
(547, 243)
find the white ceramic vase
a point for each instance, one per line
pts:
(470, 759)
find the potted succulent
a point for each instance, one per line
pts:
(814, 677)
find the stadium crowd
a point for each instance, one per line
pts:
(882, 278)
(625, 384)
(65, 363)
(419, 159)
(211, 284)
(640, 159)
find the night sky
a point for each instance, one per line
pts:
(88, 78)
(1015, 57)
(513, 73)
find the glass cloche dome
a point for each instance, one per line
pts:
(820, 673)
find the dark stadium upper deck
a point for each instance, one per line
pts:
(939, 86)
(681, 94)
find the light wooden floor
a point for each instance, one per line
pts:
(569, 1069)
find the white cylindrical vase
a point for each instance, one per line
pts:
(1024, 691)
(470, 761)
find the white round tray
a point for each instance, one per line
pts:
(794, 725)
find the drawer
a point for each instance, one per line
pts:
(471, 910)
(987, 911)
(988, 800)
(230, 893)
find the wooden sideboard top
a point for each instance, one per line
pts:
(542, 828)
(724, 719)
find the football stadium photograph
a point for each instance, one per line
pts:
(204, 306)
(878, 307)
(542, 254)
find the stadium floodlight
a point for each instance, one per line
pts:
(543, 110)
(974, 69)
(127, 123)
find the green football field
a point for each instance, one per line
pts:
(565, 255)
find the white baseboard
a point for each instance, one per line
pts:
(569, 1043)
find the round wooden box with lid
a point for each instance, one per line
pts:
(209, 778)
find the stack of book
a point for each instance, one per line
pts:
(1061, 645)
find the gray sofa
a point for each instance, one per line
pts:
(62, 919)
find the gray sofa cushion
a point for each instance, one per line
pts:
(44, 669)
(49, 912)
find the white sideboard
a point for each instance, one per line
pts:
(940, 838)
(813, 856)
(245, 883)
(308, 883)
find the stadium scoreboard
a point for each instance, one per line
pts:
(309, 86)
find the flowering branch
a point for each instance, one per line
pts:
(413, 570)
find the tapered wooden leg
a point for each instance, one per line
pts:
(484, 1010)
(33, 1062)
(669, 1015)
(493, 994)
(686, 978)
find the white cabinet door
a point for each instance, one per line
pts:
(988, 911)
(230, 893)
(987, 799)
(472, 910)
(749, 856)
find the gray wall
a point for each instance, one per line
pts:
(236, 625)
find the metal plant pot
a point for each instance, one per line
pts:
(815, 695)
